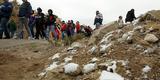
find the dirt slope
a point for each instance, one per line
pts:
(25, 60)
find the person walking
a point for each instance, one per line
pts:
(50, 22)
(63, 29)
(40, 26)
(73, 28)
(25, 10)
(5, 13)
(31, 23)
(69, 28)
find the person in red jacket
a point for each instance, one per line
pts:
(63, 29)
(78, 27)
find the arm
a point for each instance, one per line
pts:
(54, 19)
(133, 16)
(29, 10)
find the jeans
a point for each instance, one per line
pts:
(63, 35)
(4, 28)
(31, 27)
(40, 31)
(98, 25)
(72, 31)
(23, 22)
(51, 29)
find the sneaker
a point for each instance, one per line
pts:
(15, 37)
(30, 38)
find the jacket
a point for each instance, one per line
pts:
(51, 19)
(98, 19)
(40, 20)
(25, 10)
(130, 16)
(6, 9)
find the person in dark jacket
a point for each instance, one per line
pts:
(130, 16)
(69, 28)
(73, 27)
(5, 14)
(40, 24)
(50, 23)
(24, 13)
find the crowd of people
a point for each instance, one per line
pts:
(37, 24)
(44, 26)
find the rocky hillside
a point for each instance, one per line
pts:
(129, 53)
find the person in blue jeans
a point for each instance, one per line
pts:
(25, 10)
(50, 23)
(73, 28)
(5, 14)
(63, 29)
(31, 23)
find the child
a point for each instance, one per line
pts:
(120, 22)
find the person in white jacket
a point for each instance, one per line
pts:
(120, 22)
(98, 19)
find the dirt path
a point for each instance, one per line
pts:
(12, 42)
(22, 59)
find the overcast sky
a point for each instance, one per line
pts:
(84, 10)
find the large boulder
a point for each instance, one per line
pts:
(146, 69)
(74, 46)
(93, 50)
(139, 29)
(110, 36)
(127, 37)
(68, 59)
(51, 66)
(151, 38)
(107, 38)
(105, 48)
(72, 69)
(56, 57)
(110, 76)
(89, 68)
